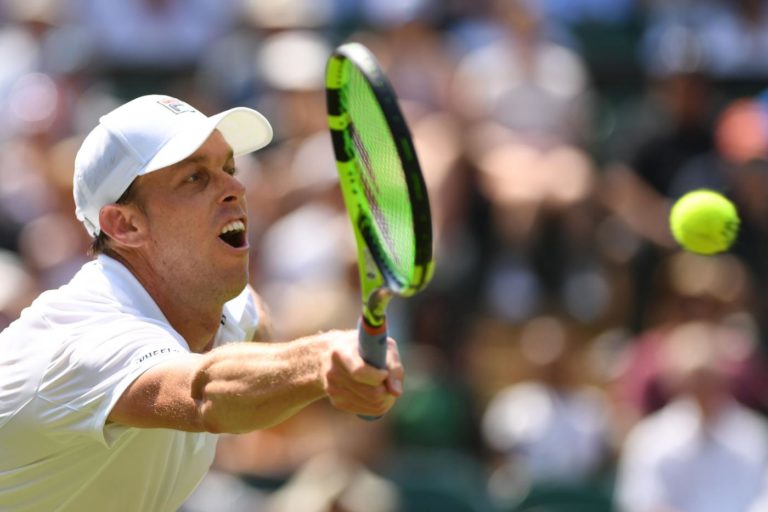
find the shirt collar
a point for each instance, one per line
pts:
(127, 289)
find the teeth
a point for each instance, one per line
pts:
(237, 225)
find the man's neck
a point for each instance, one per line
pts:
(197, 323)
(195, 316)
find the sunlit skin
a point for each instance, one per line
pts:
(169, 238)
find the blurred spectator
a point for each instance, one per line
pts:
(51, 245)
(660, 134)
(20, 58)
(527, 101)
(459, 211)
(733, 34)
(414, 57)
(550, 428)
(26, 190)
(387, 15)
(688, 288)
(542, 213)
(585, 11)
(730, 157)
(150, 44)
(524, 81)
(674, 118)
(703, 451)
(329, 482)
(742, 154)
(290, 14)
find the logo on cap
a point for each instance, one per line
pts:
(176, 106)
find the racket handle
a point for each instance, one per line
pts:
(373, 343)
(373, 348)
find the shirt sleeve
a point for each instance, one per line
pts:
(92, 370)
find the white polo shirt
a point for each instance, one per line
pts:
(63, 365)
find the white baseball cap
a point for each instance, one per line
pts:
(147, 134)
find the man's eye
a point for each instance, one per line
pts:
(193, 177)
(232, 171)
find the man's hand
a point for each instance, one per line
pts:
(354, 386)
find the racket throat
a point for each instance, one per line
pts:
(374, 309)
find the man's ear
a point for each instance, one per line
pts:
(124, 224)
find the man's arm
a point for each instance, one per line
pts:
(248, 386)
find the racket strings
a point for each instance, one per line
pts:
(382, 175)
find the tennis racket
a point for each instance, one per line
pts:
(383, 188)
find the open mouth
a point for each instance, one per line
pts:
(234, 234)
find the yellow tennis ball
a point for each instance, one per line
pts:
(704, 221)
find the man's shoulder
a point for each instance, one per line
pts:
(77, 343)
(102, 294)
(89, 284)
(96, 311)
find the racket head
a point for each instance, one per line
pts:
(379, 174)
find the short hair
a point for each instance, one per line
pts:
(100, 243)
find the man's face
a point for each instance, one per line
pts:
(196, 221)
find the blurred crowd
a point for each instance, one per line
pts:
(567, 356)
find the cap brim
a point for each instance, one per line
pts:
(244, 129)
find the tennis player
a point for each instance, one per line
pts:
(114, 386)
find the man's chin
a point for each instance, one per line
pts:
(225, 279)
(235, 286)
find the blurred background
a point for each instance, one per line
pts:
(567, 356)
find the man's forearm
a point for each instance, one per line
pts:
(247, 386)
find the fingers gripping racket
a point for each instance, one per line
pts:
(383, 189)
